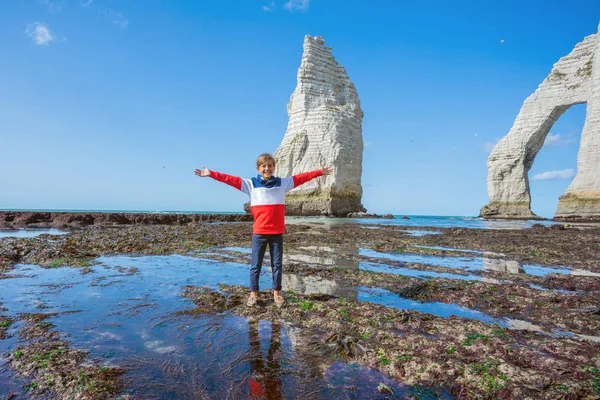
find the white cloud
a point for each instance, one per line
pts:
(115, 17)
(555, 140)
(52, 5)
(86, 3)
(562, 174)
(296, 5)
(270, 7)
(119, 20)
(40, 33)
(368, 144)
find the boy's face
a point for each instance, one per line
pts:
(266, 169)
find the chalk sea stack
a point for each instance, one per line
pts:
(324, 128)
(574, 79)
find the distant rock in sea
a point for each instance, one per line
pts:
(325, 128)
(361, 214)
(574, 79)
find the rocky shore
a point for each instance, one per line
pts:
(40, 219)
(538, 287)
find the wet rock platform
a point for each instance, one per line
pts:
(373, 311)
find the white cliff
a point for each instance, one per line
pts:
(574, 79)
(325, 128)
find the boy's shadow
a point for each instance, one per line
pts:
(265, 375)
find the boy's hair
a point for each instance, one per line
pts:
(263, 158)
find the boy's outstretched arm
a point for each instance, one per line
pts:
(234, 181)
(307, 176)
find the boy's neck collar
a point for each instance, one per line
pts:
(260, 178)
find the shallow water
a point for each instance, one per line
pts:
(390, 299)
(128, 317)
(464, 263)
(418, 233)
(411, 232)
(455, 250)
(245, 250)
(425, 220)
(468, 263)
(29, 233)
(364, 383)
(337, 259)
(417, 273)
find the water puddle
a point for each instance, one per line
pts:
(389, 299)
(415, 272)
(336, 257)
(244, 250)
(29, 233)
(365, 383)
(332, 257)
(417, 233)
(328, 256)
(339, 260)
(490, 253)
(474, 263)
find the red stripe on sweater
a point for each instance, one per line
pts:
(268, 219)
(230, 180)
(305, 177)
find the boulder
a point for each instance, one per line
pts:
(362, 214)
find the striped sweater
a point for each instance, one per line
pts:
(267, 197)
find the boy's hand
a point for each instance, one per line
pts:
(327, 170)
(203, 173)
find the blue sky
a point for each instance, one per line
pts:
(108, 104)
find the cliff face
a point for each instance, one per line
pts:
(574, 79)
(325, 128)
(582, 198)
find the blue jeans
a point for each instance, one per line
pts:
(259, 246)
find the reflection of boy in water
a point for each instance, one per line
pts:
(265, 380)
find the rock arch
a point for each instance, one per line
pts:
(574, 79)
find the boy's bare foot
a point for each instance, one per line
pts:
(279, 301)
(251, 302)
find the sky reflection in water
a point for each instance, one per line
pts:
(130, 318)
(29, 233)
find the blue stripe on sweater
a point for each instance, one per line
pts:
(260, 182)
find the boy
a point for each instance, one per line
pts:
(267, 204)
